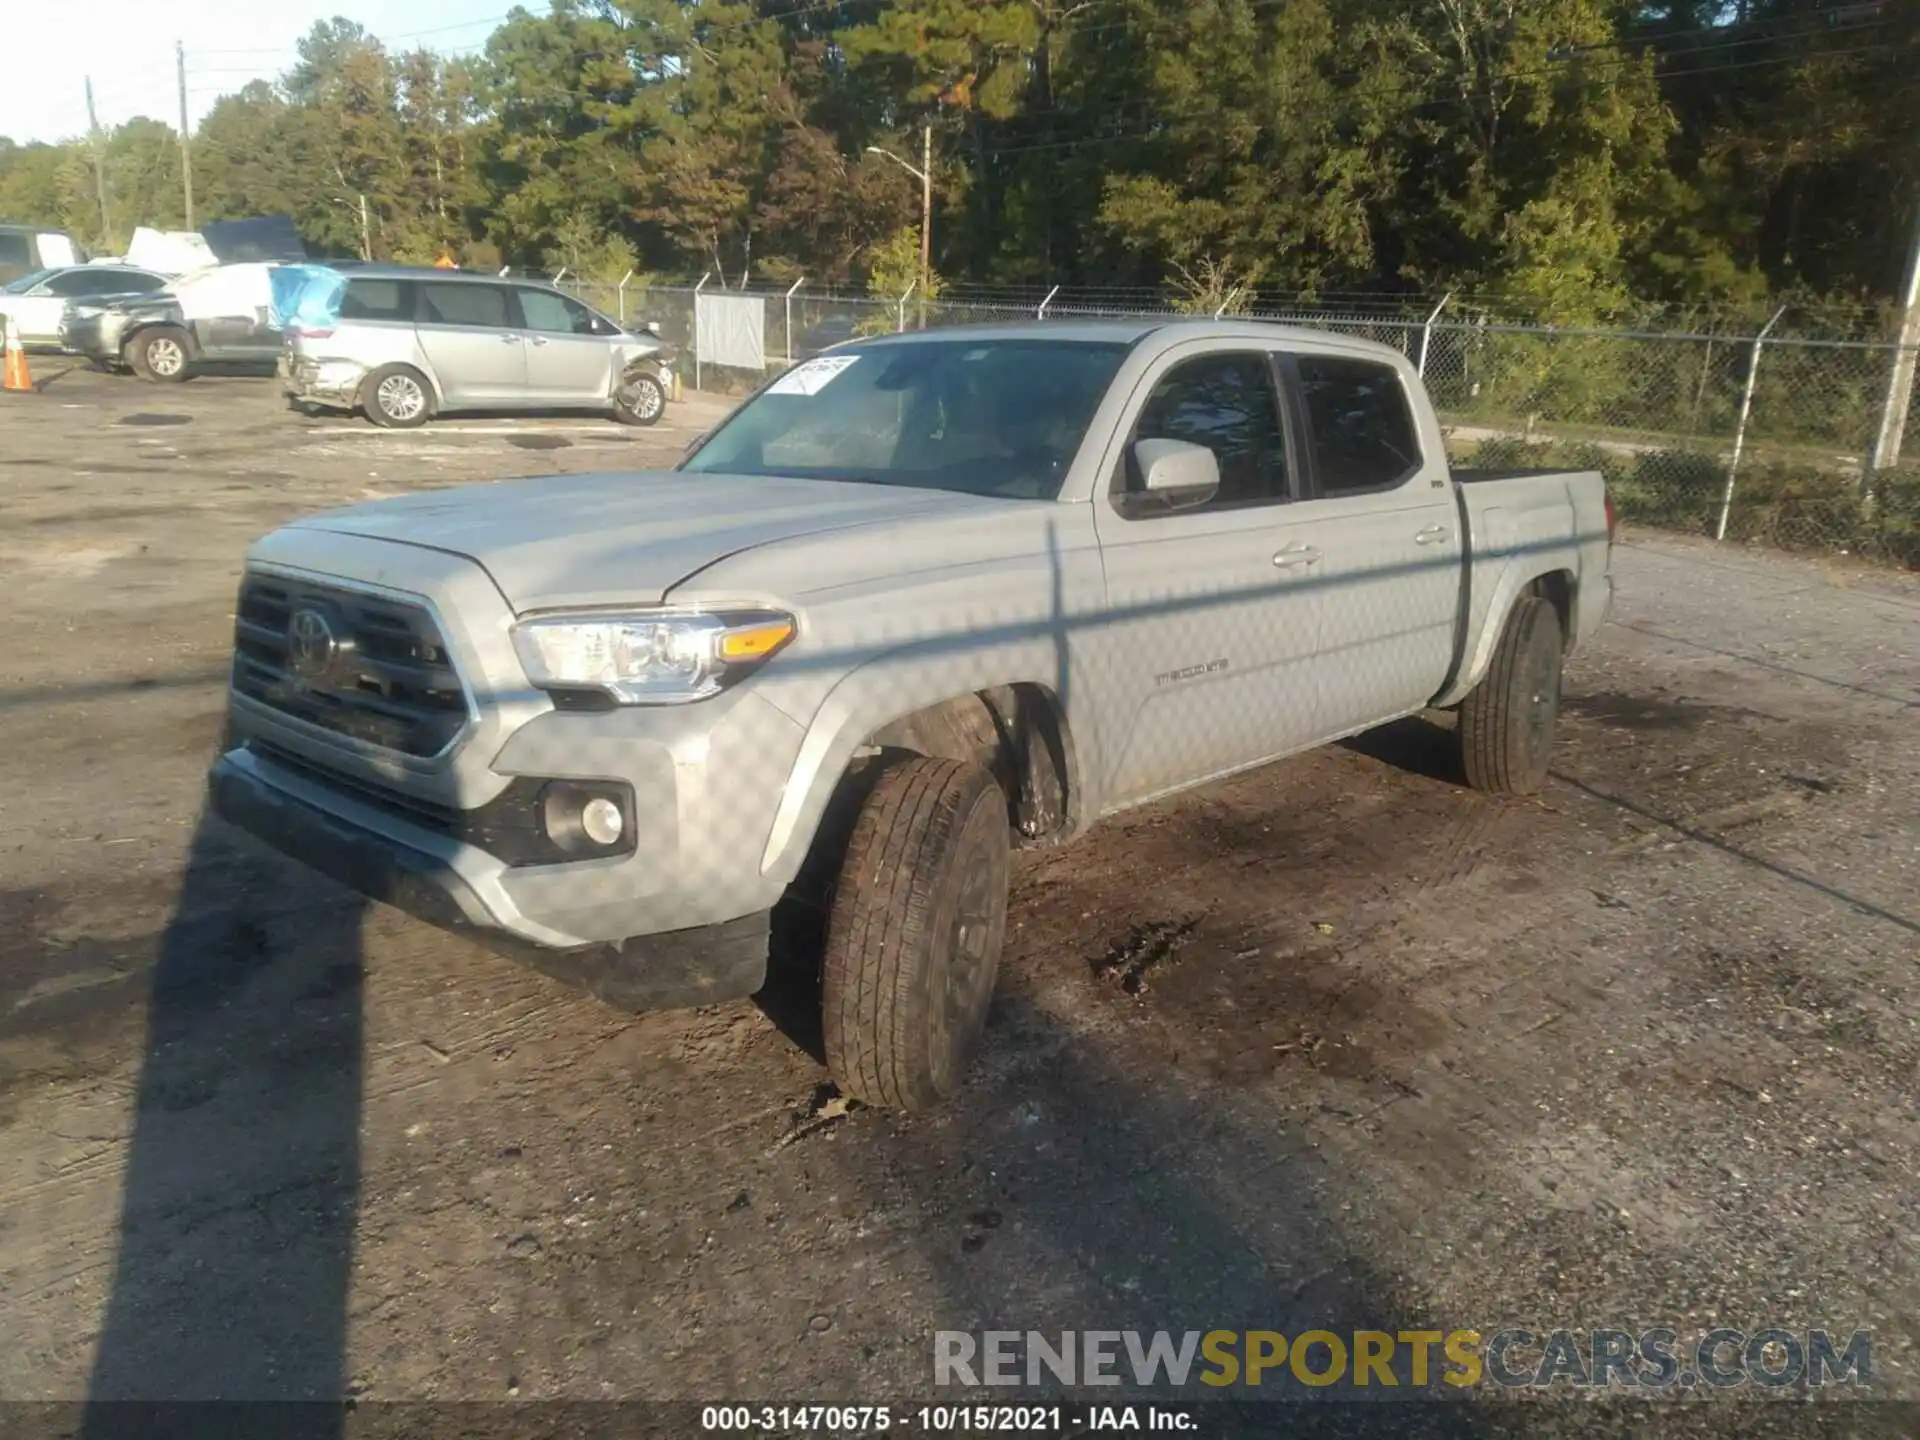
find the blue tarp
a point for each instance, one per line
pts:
(306, 295)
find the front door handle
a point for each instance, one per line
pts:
(1431, 535)
(509, 339)
(1296, 555)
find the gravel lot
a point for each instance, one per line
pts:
(1336, 1044)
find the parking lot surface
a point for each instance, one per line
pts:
(1335, 1044)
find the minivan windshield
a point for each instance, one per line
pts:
(981, 416)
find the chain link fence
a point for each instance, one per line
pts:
(1759, 435)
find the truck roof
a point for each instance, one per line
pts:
(1131, 331)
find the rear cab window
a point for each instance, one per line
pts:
(1360, 427)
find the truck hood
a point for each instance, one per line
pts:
(566, 541)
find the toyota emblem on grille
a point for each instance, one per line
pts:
(312, 646)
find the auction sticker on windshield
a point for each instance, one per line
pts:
(810, 377)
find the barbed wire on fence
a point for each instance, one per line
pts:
(1751, 432)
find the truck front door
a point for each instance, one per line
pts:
(1211, 628)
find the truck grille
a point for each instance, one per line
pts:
(367, 668)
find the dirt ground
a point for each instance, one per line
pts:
(1336, 1044)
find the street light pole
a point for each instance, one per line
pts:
(926, 207)
(923, 172)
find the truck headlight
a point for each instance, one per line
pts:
(644, 657)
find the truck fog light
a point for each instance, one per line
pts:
(600, 818)
(586, 818)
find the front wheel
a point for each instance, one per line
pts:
(914, 935)
(160, 354)
(640, 400)
(1507, 721)
(397, 397)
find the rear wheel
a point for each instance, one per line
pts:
(1507, 721)
(914, 936)
(640, 400)
(160, 354)
(396, 396)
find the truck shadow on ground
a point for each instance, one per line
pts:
(242, 1170)
(1416, 744)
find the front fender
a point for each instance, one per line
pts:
(890, 687)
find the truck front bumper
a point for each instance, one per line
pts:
(460, 888)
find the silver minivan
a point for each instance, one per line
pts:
(402, 344)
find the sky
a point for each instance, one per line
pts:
(127, 46)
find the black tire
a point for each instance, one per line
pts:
(162, 354)
(397, 397)
(639, 400)
(914, 934)
(1507, 721)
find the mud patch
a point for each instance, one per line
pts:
(1131, 961)
(146, 417)
(1652, 713)
(108, 512)
(539, 442)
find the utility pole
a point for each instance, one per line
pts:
(1893, 414)
(366, 233)
(99, 165)
(186, 146)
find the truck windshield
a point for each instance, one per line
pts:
(985, 417)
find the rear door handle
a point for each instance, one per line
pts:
(539, 339)
(1296, 555)
(1431, 535)
(509, 339)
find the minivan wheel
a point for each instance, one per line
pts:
(160, 354)
(640, 400)
(913, 939)
(397, 397)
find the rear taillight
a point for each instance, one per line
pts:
(310, 332)
(1613, 519)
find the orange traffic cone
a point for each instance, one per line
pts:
(16, 377)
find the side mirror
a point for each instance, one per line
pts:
(652, 327)
(1180, 473)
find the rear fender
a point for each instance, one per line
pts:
(1517, 579)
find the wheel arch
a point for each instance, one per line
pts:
(1555, 583)
(1017, 729)
(142, 328)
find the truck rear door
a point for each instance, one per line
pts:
(1380, 510)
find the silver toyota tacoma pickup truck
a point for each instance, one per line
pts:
(919, 600)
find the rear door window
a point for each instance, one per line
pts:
(479, 306)
(1362, 430)
(377, 300)
(14, 250)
